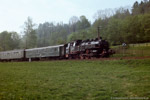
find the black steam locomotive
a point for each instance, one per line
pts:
(88, 48)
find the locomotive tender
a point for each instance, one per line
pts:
(74, 50)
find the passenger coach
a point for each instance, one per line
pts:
(12, 55)
(46, 52)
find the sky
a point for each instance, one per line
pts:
(13, 13)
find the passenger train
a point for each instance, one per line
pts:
(74, 50)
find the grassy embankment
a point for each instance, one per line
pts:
(74, 80)
(133, 50)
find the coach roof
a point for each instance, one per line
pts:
(44, 47)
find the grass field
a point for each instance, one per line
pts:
(75, 80)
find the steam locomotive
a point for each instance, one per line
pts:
(80, 49)
(87, 49)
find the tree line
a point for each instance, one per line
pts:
(120, 25)
(116, 25)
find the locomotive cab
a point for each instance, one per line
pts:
(73, 49)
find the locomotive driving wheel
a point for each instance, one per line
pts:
(70, 57)
(81, 56)
(87, 51)
(87, 54)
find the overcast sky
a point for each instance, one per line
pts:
(13, 13)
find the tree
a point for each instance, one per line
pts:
(4, 38)
(30, 37)
(145, 27)
(114, 33)
(104, 14)
(141, 8)
(83, 23)
(44, 32)
(9, 41)
(121, 13)
(135, 8)
(73, 23)
(15, 40)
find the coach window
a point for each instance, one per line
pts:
(16, 53)
(55, 49)
(47, 49)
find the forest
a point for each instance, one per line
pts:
(121, 25)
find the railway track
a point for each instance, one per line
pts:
(97, 59)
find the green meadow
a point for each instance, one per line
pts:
(75, 80)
